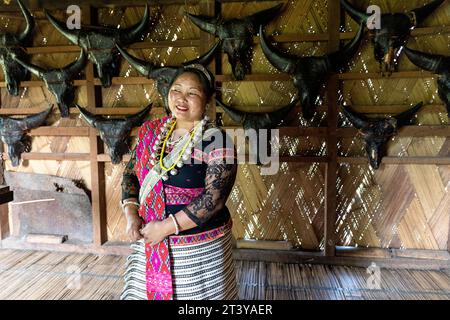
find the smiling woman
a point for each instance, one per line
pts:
(174, 197)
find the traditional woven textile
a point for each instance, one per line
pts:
(202, 267)
(158, 274)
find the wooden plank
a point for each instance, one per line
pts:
(378, 75)
(52, 156)
(334, 18)
(116, 111)
(264, 245)
(38, 83)
(318, 258)
(406, 131)
(46, 238)
(398, 160)
(4, 222)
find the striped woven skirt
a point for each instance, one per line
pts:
(202, 267)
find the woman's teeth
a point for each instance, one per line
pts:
(181, 108)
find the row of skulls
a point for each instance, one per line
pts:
(104, 45)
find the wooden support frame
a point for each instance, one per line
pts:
(331, 133)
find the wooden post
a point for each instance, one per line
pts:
(97, 168)
(332, 166)
(5, 196)
(208, 8)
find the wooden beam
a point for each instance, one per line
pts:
(334, 18)
(343, 259)
(52, 156)
(398, 160)
(6, 195)
(97, 168)
(406, 131)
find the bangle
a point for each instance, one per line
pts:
(125, 203)
(177, 229)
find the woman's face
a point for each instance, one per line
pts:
(187, 98)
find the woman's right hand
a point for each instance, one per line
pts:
(134, 224)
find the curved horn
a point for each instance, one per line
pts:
(142, 66)
(206, 58)
(339, 58)
(237, 116)
(423, 12)
(75, 67)
(132, 34)
(404, 117)
(357, 15)
(263, 17)
(137, 118)
(30, 22)
(430, 62)
(35, 120)
(38, 71)
(282, 63)
(72, 35)
(207, 24)
(88, 117)
(358, 120)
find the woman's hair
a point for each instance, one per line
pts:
(203, 74)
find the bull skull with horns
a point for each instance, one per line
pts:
(394, 32)
(100, 42)
(59, 81)
(310, 73)
(115, 132)
(13, 133)
(257, 121)
(12, 45)
(164, 75)
(377, 131)
(236, 36)
(438, 64)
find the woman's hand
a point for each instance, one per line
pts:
(155, 231)
(134, 224)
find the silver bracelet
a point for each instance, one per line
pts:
(177, 229)
(125, 203)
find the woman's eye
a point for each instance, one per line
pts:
(193, 93)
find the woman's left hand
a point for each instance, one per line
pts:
(154, 232)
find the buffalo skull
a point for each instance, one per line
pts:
(437, 64)
(257, 121)
(115, 132)
(395, 29)
(12, 45)
(59, 81)
(310, 73)
(236, 36)
(100, 42)
(377, 131)
(13, 133)
(164, 75)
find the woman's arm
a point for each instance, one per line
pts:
(219, 181)
(130, 192)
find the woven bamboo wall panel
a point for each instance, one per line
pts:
(398, 207)
(287, 206)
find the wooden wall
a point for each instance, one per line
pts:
(325, 193)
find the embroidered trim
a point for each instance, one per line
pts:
(177, 195)
(200, 237)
